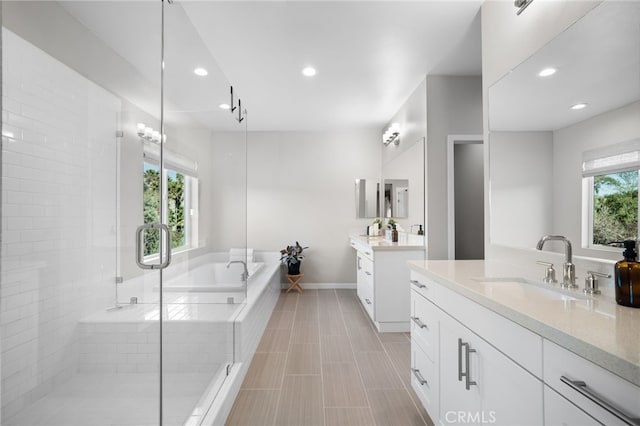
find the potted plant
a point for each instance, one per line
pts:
(292, 257)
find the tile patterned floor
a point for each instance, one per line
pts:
(321, 362)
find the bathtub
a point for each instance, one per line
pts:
(202, 331)
(214, 277)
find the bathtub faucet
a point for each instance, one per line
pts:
(245, 274)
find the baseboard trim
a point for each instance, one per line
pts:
(324, 286)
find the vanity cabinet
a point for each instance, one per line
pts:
(479, 367)
(472, 381)
(381, 277)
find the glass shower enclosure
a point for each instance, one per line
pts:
(123, 257)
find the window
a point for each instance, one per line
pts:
(611, 185)
(180, 202)
(615, 207)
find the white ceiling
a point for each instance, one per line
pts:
(370, 55)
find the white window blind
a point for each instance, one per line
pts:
(620, 157)
(172, 160)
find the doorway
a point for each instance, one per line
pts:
(465, 193)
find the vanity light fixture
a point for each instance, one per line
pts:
(547, 72)
(579, 106)
(309, 71)
(201, 72)
(521, 5)
(148, 134)
(392, 134)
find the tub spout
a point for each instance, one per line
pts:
(245, 274)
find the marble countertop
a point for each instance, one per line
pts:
(594, 327)
(380, 243)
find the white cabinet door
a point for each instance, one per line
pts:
(558, 411)
(481, 384)
(457, 403)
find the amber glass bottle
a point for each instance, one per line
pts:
(627, 277)
(394, 234)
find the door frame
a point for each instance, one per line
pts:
(453, 140)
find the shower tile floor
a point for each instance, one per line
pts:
(115, 399)
(321, 362)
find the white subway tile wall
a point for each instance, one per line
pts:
(132, 347)
(58, 217)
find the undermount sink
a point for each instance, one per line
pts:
(525, 288)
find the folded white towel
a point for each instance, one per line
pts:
(241, 254)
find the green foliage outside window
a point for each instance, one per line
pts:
(175, 208)
(615, 207)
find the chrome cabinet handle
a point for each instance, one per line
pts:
(466, 373)
(418, 376)
(420, 323)
(367, 253)
(417, 284)
(358, 264)
(367, 272)
(140, 244)
(460, 375)
(368, 301)
(581, 387)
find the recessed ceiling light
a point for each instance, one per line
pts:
(547, 72)
(201, 72)
(309, 71)
(225, 106)
(579, 106)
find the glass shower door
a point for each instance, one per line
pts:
(204, 288)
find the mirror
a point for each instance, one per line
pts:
(367, 198)
(402, 175)
(396, 198)
(537, 140)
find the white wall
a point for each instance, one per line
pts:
(616, 126)
(301, 187)
(454, 106)
(58, 217)
(521, 186)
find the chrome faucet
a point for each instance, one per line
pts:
(245, 274)
(568, 268)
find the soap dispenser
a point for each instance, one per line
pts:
(627, 277)
(394, 234)
(420, 231)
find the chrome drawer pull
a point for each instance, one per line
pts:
(368, 301)
(367, 272)
(581, 387)
(420, 323)
(418, 376)
(467, 373)
(417, 284)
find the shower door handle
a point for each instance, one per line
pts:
(140, 244)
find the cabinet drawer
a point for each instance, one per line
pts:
(364, 264)
(422, 285)
(424, 379)
(424, 323)
(603, 395)
(365, 293)
(559, 411)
